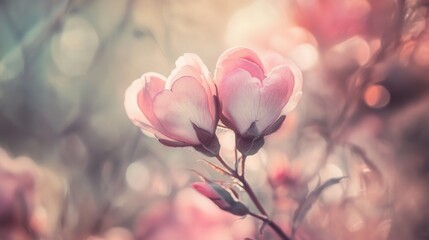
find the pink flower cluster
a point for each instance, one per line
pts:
(250, 97)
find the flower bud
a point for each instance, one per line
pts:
(221, 197)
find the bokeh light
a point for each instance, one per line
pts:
(73, 166)
(73, 50)
(376, 96)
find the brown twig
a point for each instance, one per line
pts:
(248, 189)
(276, 228)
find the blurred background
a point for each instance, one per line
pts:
(72, 165)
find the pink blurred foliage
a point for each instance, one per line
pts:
(25, 212)
(191, 216)
(275, 31)
(332, 21)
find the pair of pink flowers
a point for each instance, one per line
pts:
(184, 109)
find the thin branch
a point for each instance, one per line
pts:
(220, 159)
(276, 228)
(251, 194)
(245, 185)
(390, 39)
(216, 167)
(243, 165)
(363, 156)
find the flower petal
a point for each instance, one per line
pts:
(190, 59)
(235, 58)
(153, 84)
(205, 189)
(133, 109)
(275, 93)
(241, 53)
(210, 192)
(240, 96)
(186, 103)
(191, 65)
(297, 89)
(271, 60)
(130, 103)
(231, 65)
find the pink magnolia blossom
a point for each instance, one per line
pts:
(254, 96)
(180, 110)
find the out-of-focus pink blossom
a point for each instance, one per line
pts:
(192, 216)
(179, 110)
(254, 96)
(275, 31)
(21, 198)
(284, 176)
(115, 233)
(17, 185)
(332, 21)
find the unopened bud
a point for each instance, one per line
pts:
(221, 197)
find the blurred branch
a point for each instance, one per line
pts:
(306, 204)
(419, 37)
(390, 40)
(26, 216)
(272, 225)
(30, 44)
(117, 183)
(246, 187)
(364, 157)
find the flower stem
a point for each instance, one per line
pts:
(244, 183)
(251, 194)
(243, 164)
(228, 168)
(276, 228)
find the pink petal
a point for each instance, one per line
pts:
(192, 66)
(189, 71)
(241, 53)
(134, 111)
(186, 103)
(182, 71)
(205, 189)
(272, 60)
(275, 93)
(240, 96)
(130, 103)
(205, 74)
(246, 100)
(230, 65)
(153, 84)
(235, 58)
(208, 191)
(190, 59)
(297, 89)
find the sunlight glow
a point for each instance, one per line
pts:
(305, 56)
(137, 176)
